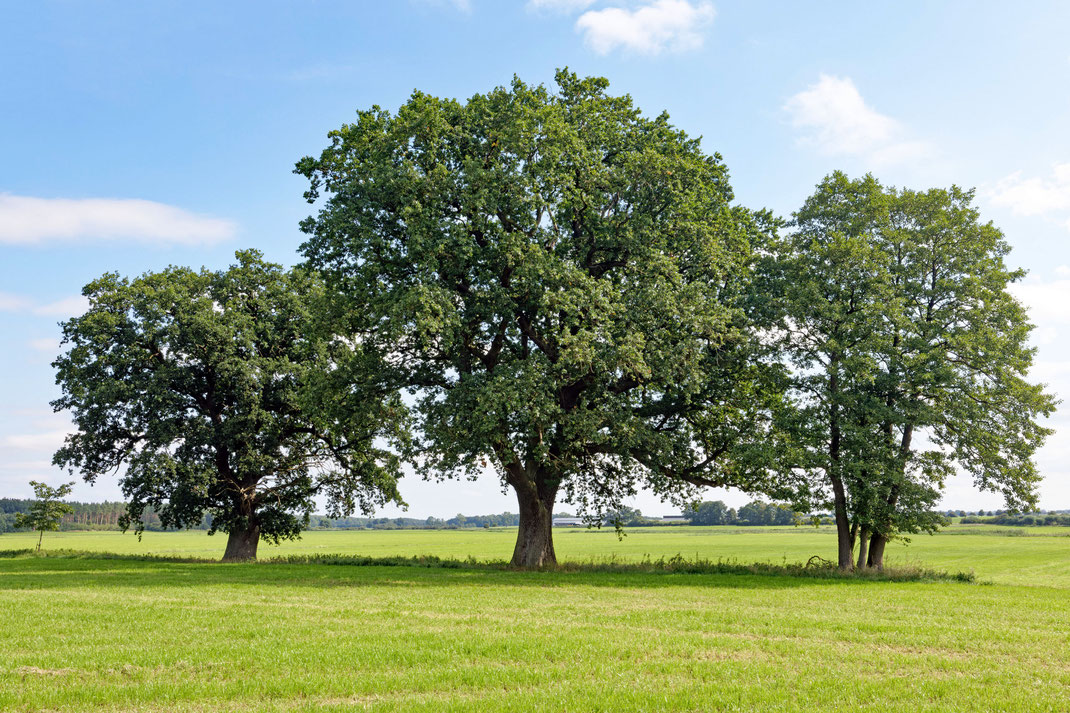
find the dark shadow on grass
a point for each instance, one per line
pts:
(22, 569)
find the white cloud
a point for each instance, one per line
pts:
(38, 436)
(46, 441)
(66, 307)
(1035, 196)
(563, 6)
(13, 303)
(45, 344)
(673, 24)
(27, 465)
(462, 5)
(838, 122)
(26, 220)
(1046, 301)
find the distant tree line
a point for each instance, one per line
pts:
(753, 513)
(1020, 519)
(86, 516)
(459, 521)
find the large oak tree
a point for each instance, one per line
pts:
(211, 392)
(563, 284)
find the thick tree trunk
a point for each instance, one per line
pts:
(863, 549)
(879, 541)
(876, 550)
(843, 525)
(535, 539)
(241, 544)
(844, 540)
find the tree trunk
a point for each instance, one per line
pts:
(876, 547)
(843, 525)
(863, 549)
(241, 544)
(876, 550)
(535, 539)
(39, 538)
(839, 494)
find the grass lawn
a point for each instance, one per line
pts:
(119, 635)
(1042, 557)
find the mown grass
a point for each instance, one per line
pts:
(1042, 561)
(86, 633)
(815, 568)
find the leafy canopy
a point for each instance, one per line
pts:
(210, 392)
(561, 281)
(47, 510)
(911, 356)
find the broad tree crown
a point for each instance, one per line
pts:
(210, 392)
(562, 282)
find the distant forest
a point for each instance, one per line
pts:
(105, 516)
(86, 516)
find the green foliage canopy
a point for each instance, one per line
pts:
(212, 393)
(911, 357)
(562, 282)
(47, 510)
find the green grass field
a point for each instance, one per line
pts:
(125, 635)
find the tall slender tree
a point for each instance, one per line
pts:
(562, 282)
(911, 358)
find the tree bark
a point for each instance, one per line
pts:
(534, 539)
(876, 550)
(843, 525)
(876, 547)
(839, 494)
(863, 549)
(241, 544)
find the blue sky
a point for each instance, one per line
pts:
(137, 135)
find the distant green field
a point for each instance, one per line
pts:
(118, 635)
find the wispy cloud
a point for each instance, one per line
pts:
(676, 25)
(45, 344)
(26, 220)
(44, 441)
(1046, 299)
(462, 5)
(563, 6)
(14, 303)
(1035, 196)
(836, 121)
(66, 307)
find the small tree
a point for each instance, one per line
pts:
(46, 512)
(213, 393)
